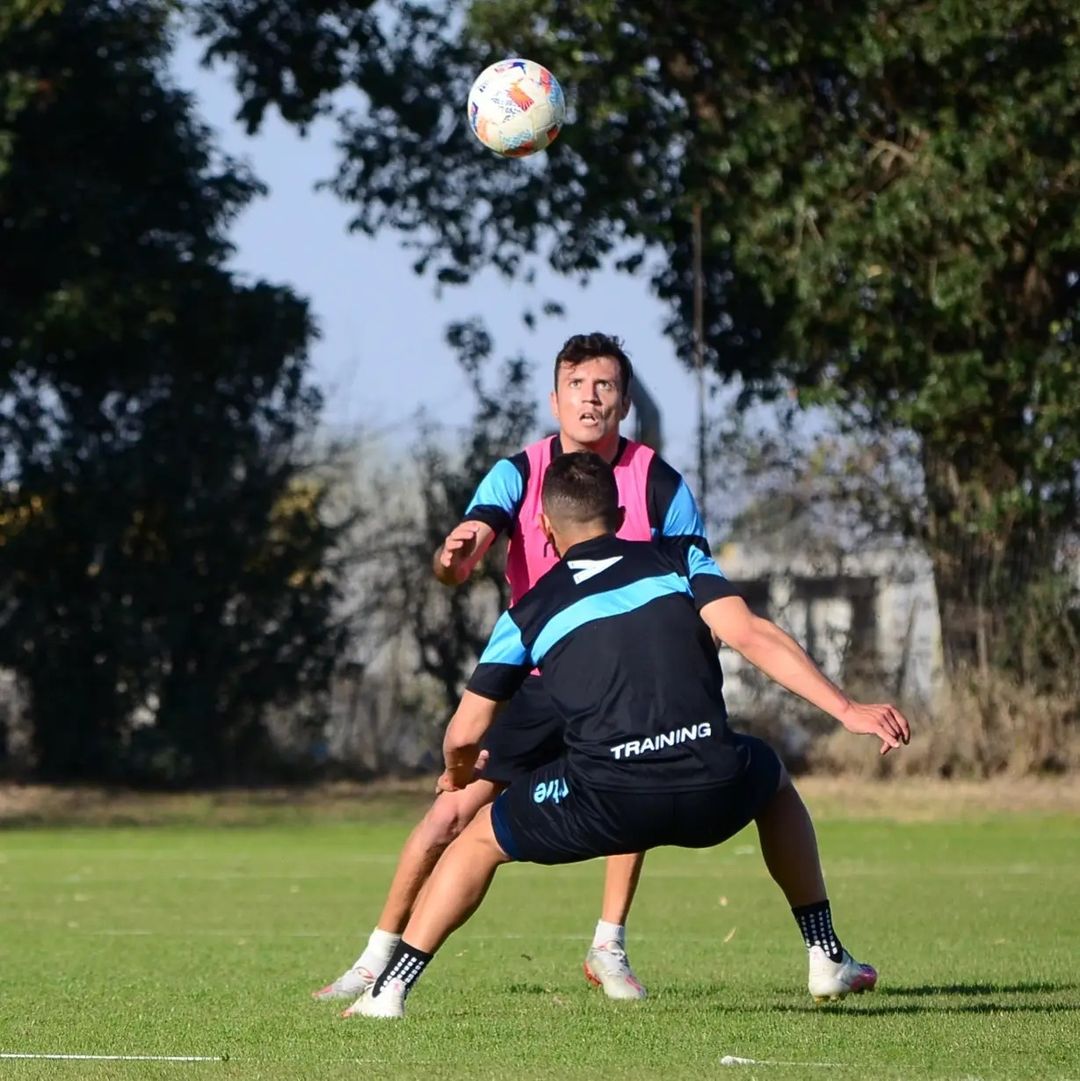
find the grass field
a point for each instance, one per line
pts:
(201, 938)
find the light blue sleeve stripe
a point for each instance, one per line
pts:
(502, 487)
(683, 518)
(505, 645)
(700, 563)
(602, 605)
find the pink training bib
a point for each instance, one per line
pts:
(529, 555)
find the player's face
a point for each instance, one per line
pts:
(589, 404)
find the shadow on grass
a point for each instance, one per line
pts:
(989, 999)
(865, 1009)
(1030, 988)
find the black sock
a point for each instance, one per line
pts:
(405, 964)
(815, 922)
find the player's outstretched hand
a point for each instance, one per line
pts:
(453, 780)
(884, 721)
(459, 545)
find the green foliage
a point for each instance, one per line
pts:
(163, 584)
(451, 626)
(889, 192)
(288, 54)
(17, 88)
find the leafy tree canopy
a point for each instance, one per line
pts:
(889, 194)
(162, 581)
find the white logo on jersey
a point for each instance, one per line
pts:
(584, 569)
(658, 743)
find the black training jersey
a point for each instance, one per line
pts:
(627, 660)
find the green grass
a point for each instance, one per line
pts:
(206, 940)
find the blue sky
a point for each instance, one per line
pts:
(376, 315)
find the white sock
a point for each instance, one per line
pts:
(608, 932)
(380, 945)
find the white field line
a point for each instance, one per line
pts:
(208, 932)
(91, 881)
(205, 932)
(247, 934)
(515, 936)
(735, 1060)
(115, 1058)
(738, 1060)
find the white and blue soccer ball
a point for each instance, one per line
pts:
(516, 107)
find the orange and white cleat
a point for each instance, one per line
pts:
(351, 983)
(830, 981)
(608, 967)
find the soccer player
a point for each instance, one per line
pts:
(590, 399)
(620, 630)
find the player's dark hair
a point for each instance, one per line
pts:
(582, 347)
(580, 488)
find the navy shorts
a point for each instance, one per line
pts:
(527, 734)
(555, 817)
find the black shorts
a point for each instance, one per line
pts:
(553, 817)
(526, 735)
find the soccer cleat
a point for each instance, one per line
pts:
(608, 967)
(832, 980)
(388, 1005)
(355, 981)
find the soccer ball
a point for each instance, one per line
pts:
(516, 107)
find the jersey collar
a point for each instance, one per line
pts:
(591, 548)
(556, 449)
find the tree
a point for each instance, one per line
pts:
(451, 626)
(165, 565)
(889, 192)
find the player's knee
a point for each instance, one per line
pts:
(446, 819)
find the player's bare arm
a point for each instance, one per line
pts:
(781, 658)
(462, 756)
(463, 548)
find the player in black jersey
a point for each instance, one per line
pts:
(621, 631)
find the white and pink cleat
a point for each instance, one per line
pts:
(830, 981)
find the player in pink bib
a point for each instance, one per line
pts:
(590, 400)
(654, 496)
